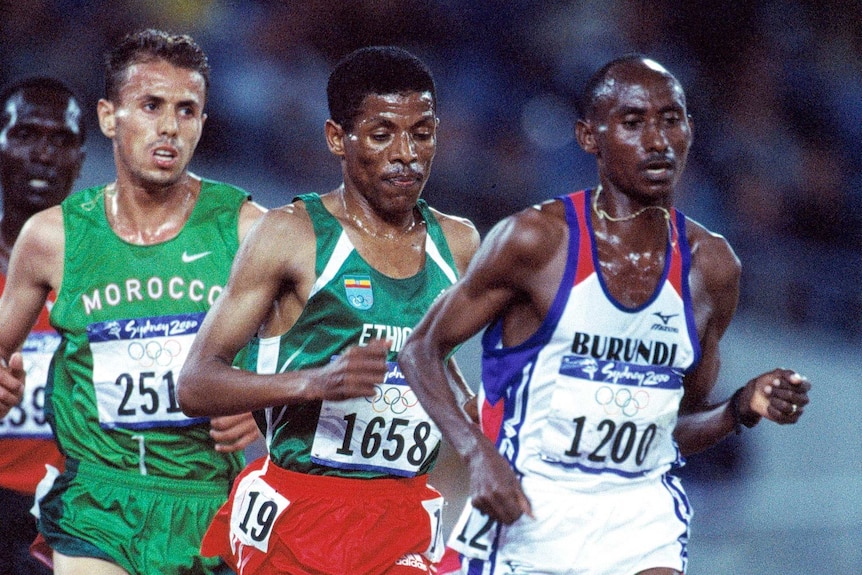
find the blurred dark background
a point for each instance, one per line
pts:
(775, 90)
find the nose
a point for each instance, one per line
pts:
(43, 150)
(655, 138)
(404, 148)
(168, 124)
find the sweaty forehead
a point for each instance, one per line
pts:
(410, 104)
(46, 110)
(638, 84)
(161, 78)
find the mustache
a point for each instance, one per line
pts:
(404, 173)
(658, 161)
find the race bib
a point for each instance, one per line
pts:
(135, 366)
(473, 534)
(27, 419)
(389, 432)
(613, 416)
(434, 508)
(256, 507)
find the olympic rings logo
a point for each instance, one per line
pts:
(622, 401)
(393, 399)
(154, 352)
(358, 300)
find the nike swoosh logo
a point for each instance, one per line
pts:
(190, 258)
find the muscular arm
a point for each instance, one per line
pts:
(276, 257)
(463, 240)
(715, 288)
(502, 274)
(35, 268)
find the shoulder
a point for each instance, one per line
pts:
(283, 235)
(711, 249)
(249, 213)
(42, 242)
(45, 229)
(280, 243)
(522, 247)
(533, 234)
(216, 186)
(712, 256)
(461, 235)
(290, 223)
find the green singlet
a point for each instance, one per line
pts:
(127, 315)
(351, 303)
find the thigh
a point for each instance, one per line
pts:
(65, 565)
(636, 528)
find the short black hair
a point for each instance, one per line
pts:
(149, 45)
(374, 70)
(42, 89)
(594, 88)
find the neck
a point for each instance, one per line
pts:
(601, 214)
(145, 217)
(379, 229)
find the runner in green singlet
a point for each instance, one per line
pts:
(324, 291)
(136, 264)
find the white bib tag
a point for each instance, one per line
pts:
(389, 432)
(473, 534)
(434, 508)
(135, 366)
(614, 416)
(27, 419)
(256, 508)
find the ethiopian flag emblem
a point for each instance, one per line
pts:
(359, 293)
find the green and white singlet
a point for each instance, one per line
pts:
(351, 303)
(127, 315)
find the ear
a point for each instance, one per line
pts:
(107, 118)
(82, 155)
(334, 137)
(585, 134)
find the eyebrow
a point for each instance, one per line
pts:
(161, 99)
(381, 120)
(625, 110)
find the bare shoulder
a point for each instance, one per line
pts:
(461, 235)
(454, 224)
(282, 239)
(535, 234)
(289, 223)
(40, 247)
(44, 232)
(249, 213)
(712, 256)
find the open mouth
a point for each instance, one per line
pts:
(165, 157)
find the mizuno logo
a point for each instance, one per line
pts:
(189, 258)
(665, 318)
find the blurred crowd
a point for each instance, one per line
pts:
(774, 87)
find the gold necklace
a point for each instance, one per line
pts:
(386, 235)
(603, 215)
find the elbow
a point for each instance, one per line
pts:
(406, 355)
(413, 355)
(189, 394)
